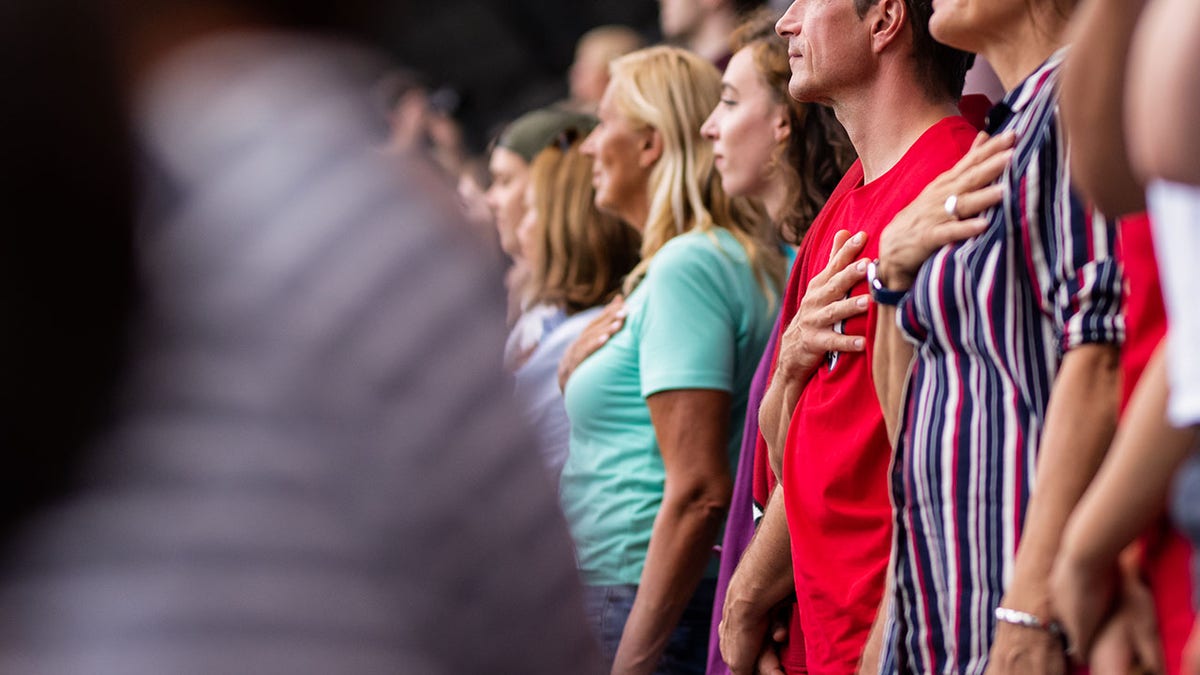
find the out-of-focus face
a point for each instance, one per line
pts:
(619, 171)
(474, 200)
(679, 19)
(745, 128)
(506, 196)
(588, 75)
(972, 25)
(528, 224)
(828, 48)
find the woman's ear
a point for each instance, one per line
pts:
(887, 19)
(651, 149)
(781, 128)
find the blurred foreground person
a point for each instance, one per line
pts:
(314, 374)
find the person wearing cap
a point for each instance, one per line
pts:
(577, 258)
(509, 164)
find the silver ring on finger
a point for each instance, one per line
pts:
(951, 206)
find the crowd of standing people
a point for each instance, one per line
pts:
(843, 337)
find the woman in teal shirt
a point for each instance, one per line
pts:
(656, 411)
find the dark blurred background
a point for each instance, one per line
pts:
(500, 58)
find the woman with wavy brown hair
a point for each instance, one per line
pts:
(577, 259)
(790, 155)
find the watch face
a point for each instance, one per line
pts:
(882, 295)
(873, 276)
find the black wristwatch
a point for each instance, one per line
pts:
(882, 294)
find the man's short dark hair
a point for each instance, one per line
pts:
(942, 69)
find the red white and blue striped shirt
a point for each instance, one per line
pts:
(991, 318)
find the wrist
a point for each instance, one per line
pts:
(892, 277)
(1008, 616)
(745, 599)
(1029, 599)
(882, 291)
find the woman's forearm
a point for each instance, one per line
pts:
(891, 363)
(1080, 422)
(692, 428)
(1131, 486)
(680, 550)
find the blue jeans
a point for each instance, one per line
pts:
(608, 608)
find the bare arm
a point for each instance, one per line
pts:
(775, 416)
(1080, 422)
(692, 430)
(1093, 95)
(892, 362)
(916, 233)
(762, 580)
(868, 663)
(1128, 493)
(1163, 98)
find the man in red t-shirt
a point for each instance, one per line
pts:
(826, 532)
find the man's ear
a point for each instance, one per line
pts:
(888, 19)
(651, 149)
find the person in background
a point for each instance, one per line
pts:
(578, 257)
(996, 363)
(509, 162)
(421, 120)
(656, 410)
(473, 183)
(588, 75)
(790, 155)
(271, 487)
(703, 26)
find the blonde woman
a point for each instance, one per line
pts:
(577, 259)
(656, 411)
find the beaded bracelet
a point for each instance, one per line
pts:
(1019, 618)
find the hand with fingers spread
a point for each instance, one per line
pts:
(946, 211)
(811, 334)
(593, 337)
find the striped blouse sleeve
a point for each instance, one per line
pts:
(1085, 280)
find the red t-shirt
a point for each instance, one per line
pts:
(837, 456)
(1167, 554)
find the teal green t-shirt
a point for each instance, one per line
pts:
(699, 320)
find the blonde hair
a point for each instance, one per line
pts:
(581, 255)
(672, 91)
